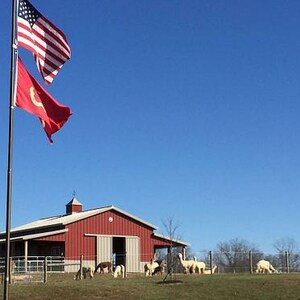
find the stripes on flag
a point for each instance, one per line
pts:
(38, 35)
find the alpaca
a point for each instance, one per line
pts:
(119, 271)
(86, 271)
(188, 265)
(104, 265)
(150, 267)
(20, 277)
(212, 271)
(199, 266)
(160, 269)
(264, 266)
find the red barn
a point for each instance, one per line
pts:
(102, 234)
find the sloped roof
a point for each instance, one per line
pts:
(74, 201)
(35, 235)
(71, 218)
(164, 237)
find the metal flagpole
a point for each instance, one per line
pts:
(10, 145)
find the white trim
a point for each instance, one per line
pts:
(108, 235)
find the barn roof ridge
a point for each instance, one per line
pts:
(71, 218)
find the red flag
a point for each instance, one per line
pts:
(36, 100)
(38, 35)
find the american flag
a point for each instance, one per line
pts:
(48, 44)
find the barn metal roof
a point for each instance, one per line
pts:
(35, 235)
(71, 218)
(74, 201)
(164, 237)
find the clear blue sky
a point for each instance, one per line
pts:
(182, 109)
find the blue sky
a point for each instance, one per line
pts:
(181, 109)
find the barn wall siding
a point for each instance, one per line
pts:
(111, 223)
(108, 223)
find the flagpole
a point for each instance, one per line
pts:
(10, 146)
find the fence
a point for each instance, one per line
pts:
(32, 268)
(245, 262)
(36, 268)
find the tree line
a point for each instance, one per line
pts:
(234, 255)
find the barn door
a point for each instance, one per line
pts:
(104, 248)
(132, 254)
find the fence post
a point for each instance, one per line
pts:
(10, 269)
(25, 256)
(210, 261)
(81, 261)
(45, 269)
(250, 262)
(183, 253)
(287, 265)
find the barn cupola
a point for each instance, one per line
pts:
(74, 206)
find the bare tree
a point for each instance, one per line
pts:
(233, 256)
(287, 252)
(286, 244)
(171, 228)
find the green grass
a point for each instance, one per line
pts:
(210, 287)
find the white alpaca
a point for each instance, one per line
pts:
(86, 271)
(199, 266)
(188, 265)
(119, 271)
(212, 271)
(264, 266)
(150, 267)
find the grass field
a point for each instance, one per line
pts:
(216, 286)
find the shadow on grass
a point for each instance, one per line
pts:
(170, 282)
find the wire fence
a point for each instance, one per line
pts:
(246, 261)
(243, 261)
(36, 268)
